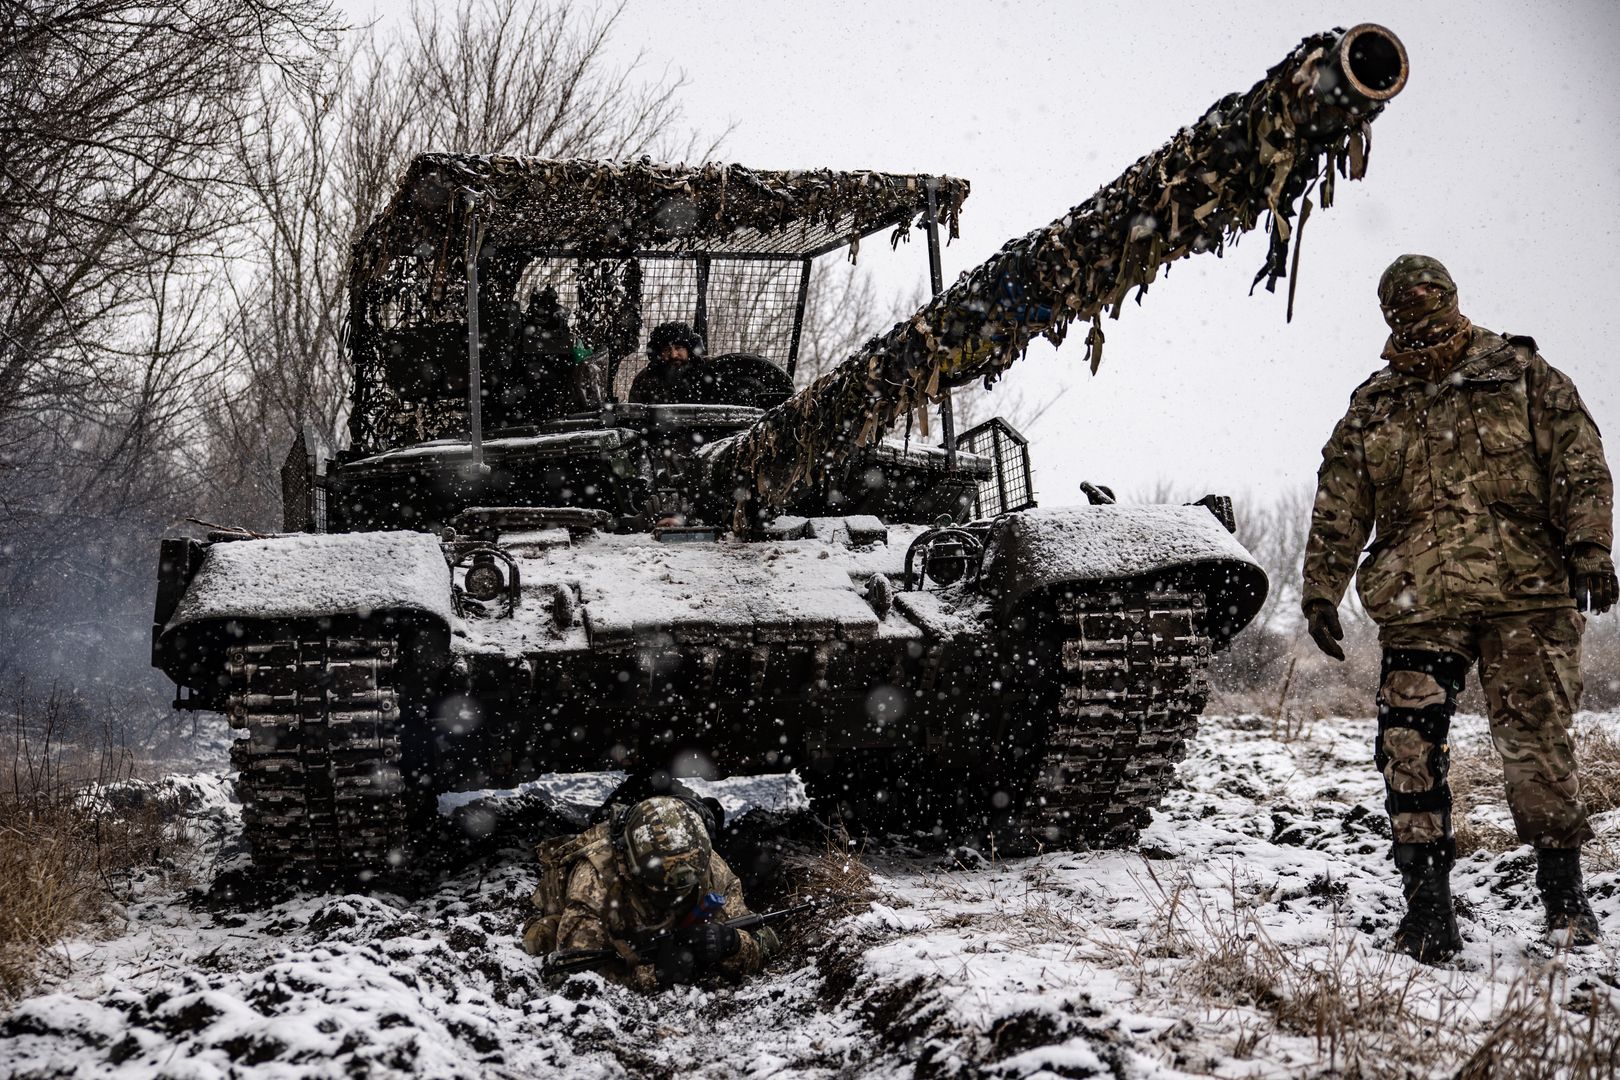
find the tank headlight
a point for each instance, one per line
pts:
(944, 555)
(484, 578)
(947, 562)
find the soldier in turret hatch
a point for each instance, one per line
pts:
(1481, 476)
(673, 350)
(540, 372)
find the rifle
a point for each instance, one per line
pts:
(647, 944)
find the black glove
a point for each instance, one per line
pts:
(693, 950)
(1322, 620)
(1591, 578)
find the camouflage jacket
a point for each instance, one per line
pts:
(602, 906)
(1476, 489)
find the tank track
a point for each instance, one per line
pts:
(1133, 679)
(322, 788)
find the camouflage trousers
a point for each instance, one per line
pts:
(1530, 669)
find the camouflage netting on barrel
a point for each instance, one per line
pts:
(1252, 155)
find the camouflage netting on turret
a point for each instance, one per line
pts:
(409, 268)
(1253, 154)
(593, 208)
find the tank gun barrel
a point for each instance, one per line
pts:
(1251, 154)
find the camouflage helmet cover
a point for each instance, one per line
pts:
(673, 333)
(667, 847)
(1410, 270)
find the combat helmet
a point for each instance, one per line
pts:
(666, 846)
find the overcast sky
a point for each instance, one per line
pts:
(1501, 158)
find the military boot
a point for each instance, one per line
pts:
(1428, 930)
(1570, 920)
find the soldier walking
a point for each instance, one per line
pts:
(1480, 475)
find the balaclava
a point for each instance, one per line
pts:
(1428, 334)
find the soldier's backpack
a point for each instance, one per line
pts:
(558, 857)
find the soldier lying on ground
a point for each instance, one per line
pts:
(647, 867)
(1484, 476)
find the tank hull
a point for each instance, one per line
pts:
(806, 651)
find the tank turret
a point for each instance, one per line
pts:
(531, 557)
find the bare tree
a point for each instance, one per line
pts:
(497, 77)
(507, 77)
(1275, 533)
(115, 186)
(842, 311)
(111, 162)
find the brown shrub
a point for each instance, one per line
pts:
(1305, 685)
(1261, 674)
(64, 851)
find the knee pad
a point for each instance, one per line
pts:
(1417, 696)
(1418, 690)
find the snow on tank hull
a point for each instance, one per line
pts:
(368, 681)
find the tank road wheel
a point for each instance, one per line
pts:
(322, 785)
(1130, 681)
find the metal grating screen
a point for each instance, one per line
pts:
(737, 305)
(1011, 485)
(751, 306)
(318, 500)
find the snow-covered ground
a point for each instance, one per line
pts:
(1241, 938)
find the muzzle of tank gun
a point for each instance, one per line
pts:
(1364, 68)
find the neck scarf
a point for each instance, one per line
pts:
(1430, 362)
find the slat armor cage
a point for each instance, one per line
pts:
(1011, 485)
(620, 246)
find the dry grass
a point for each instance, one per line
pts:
(1364, 1009)
(1370, 1013)
(1477, 781)
(1549, 1031)
(1036, 909)
(63, 849)
(836, 878)
(1598, 751)
(836, 874)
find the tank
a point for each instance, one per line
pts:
(525, 562)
